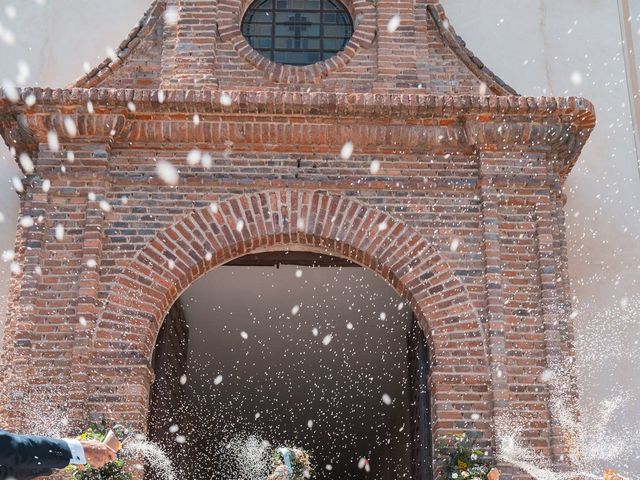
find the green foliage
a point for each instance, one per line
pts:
(111, 471)
(465, 460)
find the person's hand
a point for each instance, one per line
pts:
(97, 453)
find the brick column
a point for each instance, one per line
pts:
(59, 255)
(495, 327)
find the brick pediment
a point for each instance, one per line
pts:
(205, 49)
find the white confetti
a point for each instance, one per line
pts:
(174, 428)
(105, 206)
(17, 184)
(576, 78)
(52, 141)
(374, 168)
(239, 225)
(393, 24)
(327, 339)
(295, 309)
(225, 100)
(217, 380)
(167, 172)
(171, 16)
(193, 157)
(346, 151)
(547, 375)
(455, 243)
(111, 54)
(70, 127)
(59, 232)
(244, 335)
(386, 399)
(183, 379)
(46, 185)
(10, 90)
(26, 221)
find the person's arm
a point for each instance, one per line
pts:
(26, 452)
(25, 456)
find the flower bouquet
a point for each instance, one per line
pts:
(111, 471)
(290, 463)
(465, 460)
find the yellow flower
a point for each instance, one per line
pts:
(462, 465)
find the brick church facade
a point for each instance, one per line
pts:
(463, 160)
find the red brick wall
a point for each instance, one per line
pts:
(486, 171)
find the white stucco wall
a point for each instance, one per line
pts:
(534, 45)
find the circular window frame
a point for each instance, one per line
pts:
(364, 31)
(335, 7)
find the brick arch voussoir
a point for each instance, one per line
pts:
(321, 222)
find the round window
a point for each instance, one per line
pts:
(297, 32)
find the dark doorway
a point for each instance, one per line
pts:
(293, 348)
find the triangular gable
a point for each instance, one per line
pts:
(139, 61)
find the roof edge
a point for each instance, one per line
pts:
(109, 65)
(286, 102)
(459, 47)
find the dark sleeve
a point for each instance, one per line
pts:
(29, 455)
(11, 473)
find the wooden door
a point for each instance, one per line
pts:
(419, 403)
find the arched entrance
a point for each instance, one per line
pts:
(299, 349)
(293, 220)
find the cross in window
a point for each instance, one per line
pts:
(298, 24)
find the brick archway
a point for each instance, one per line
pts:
(280, 220)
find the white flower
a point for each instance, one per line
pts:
(454, 475)
(474, 456)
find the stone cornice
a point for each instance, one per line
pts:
(559, 127)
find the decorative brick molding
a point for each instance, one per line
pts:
(230, 16)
